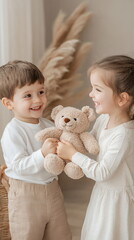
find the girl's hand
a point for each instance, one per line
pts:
(49, 146)
(65, 150)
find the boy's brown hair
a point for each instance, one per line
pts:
(18, 74)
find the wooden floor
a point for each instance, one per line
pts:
(76, 195)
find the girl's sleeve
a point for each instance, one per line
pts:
(16, 154)
(114, 156)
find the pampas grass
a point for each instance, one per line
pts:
(63, 57)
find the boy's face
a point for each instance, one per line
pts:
(29, 102)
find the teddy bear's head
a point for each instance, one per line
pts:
(72, 119)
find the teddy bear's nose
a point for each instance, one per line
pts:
(66, 120)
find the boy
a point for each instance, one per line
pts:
(36, 207)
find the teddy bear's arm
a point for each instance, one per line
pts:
(89, 142)
(50, 132)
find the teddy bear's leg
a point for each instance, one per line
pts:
(73, 171)
(53, 164)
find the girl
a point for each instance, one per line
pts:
(110, 214)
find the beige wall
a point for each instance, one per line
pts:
(110, 29)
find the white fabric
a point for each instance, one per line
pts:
(22, 152)
(22, 30)
(5, 117)
(110, 214)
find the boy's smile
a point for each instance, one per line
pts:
(36, 108)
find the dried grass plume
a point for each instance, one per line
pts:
(63, 57)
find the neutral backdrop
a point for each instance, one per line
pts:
(110, 30)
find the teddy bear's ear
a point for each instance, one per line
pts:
(55, 111)
(89, 112)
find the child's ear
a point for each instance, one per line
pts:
(7, 103)
(123, 98)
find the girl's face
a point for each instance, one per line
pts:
(101, 94)
(29, 102)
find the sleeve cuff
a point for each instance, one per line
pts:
(79, 159)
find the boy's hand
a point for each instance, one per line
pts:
(49, 146)
(65, 150)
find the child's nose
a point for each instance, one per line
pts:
(36, 98)
(91, 94)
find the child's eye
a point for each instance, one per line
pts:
(98, 90)
(41, 92)
(28, 96)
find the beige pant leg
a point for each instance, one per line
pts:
(57, 227)
(36, 212)
(27, 210)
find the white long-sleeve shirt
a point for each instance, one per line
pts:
(116, 152)
(22, 152)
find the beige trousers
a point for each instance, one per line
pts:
(37, 212)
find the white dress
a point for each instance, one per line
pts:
(110, 213)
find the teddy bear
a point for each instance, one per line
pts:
(71, 124)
